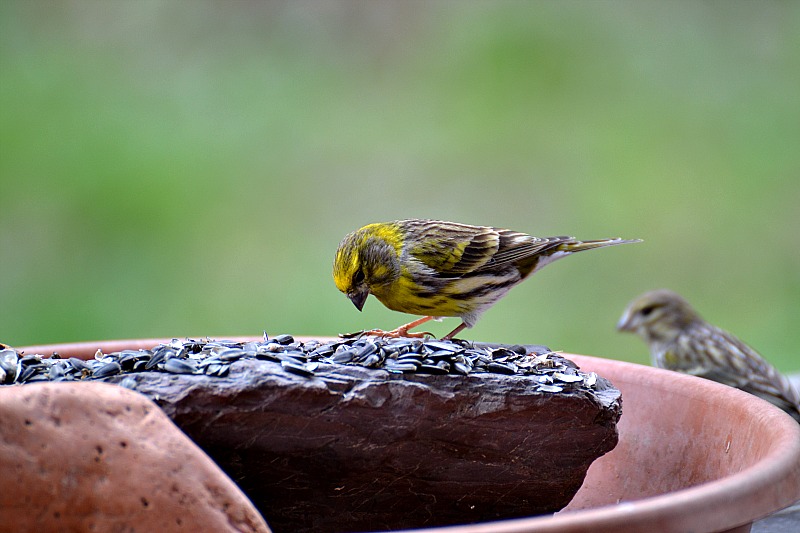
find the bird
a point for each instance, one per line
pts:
(680, 340)
(441, 269)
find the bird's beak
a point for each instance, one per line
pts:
(625, 323)
(358, 297)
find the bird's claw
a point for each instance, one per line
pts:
(393, 334)
(399, 333)
(352, 335)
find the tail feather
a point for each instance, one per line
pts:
(579, 246)
(568, 245)
(555, 248)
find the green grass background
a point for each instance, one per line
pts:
(172, 169)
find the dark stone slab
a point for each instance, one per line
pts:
(354, 449)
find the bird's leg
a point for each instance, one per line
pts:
(402, 331)
(453, 333)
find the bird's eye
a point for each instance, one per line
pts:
(645, 311)
(358, 277)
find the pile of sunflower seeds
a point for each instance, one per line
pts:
(215, 357)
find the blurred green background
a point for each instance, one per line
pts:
(173, 169)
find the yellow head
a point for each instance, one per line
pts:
(367, 258)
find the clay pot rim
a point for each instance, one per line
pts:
(776, 477)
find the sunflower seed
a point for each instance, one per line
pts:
(367, 349)
(209, 360)
(310, 345)
(322, 351)
(268, 356)
(396, 355)
(431, 369)
(442, 346)
(25, 374)
(462, 368)
(501, 368)
(179, 366)
(298, 369)
(157, 358)
(108, 369)
(232, 354)
(127, 359)
(444, 365)
(501, 355)
(371, 360)
(8, 363)
(440, 355)
(401, 369)
(293, 357)
(284, 339)
(345, 356)
(56, 373)
(407, 360)
(251, 348)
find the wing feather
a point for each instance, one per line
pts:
(453, 250)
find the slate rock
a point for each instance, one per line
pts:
(355, 449)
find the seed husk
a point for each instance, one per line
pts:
(567, 378)
(549, 388)
(210, 358)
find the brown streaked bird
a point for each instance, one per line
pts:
(442, 269)
(682, 341)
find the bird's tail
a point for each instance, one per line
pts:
(573, 245)
(559, 247)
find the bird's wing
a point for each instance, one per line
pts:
(516, 247)
(453, 250)
(738, 365)
(779, 392)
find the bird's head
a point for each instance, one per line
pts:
(657, 315)
(365, 259)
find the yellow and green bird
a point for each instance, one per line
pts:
(443, 269)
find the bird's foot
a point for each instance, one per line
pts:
(393, 334)
(401, 332)
(452, 334)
